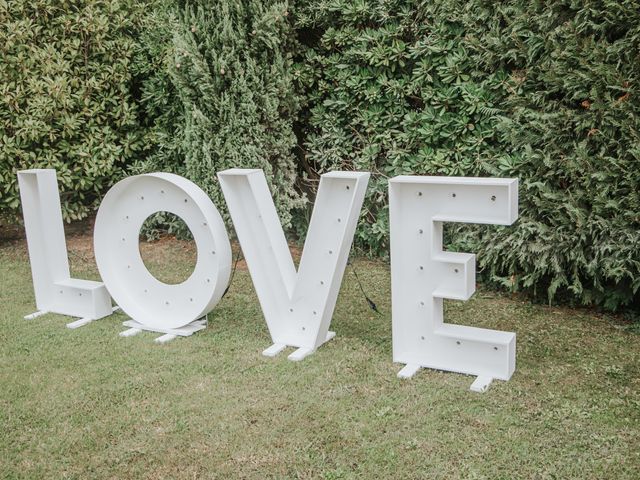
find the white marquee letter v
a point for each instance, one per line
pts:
(297, 306)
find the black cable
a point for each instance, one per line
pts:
(372, 305)
(370, 302)
(233, 272)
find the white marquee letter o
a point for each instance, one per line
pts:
(116, 242)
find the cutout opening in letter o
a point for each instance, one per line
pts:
(143, 297)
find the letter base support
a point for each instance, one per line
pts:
(37, 314)
(298, 355)
(84, 321)
(480, 384)
(408, 371)
(168, 334)
(72, 325)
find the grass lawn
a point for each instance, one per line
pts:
(89, 404)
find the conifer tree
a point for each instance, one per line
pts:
(219, 93)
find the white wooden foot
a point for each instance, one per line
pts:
(80, 323)
(130, 332)
(408, 371)
(167, 337)
(274, 350)
(301, 354)
(115, 309)
(37, 314)
(481, 384)
(133, 328)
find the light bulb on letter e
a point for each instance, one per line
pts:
(422, 275)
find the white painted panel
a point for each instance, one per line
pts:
(143, 297)
(55, 290)
(423, 274)
(298, 306)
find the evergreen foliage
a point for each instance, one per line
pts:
(543, 91)
(65, 97)
(218, 93)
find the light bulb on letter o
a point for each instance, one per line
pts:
(143, 297)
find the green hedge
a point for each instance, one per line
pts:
(543, 91)
(66, 97)
(218, 92)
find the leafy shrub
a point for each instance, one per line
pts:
(218, 92)
(543, 91)
(65, 97)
